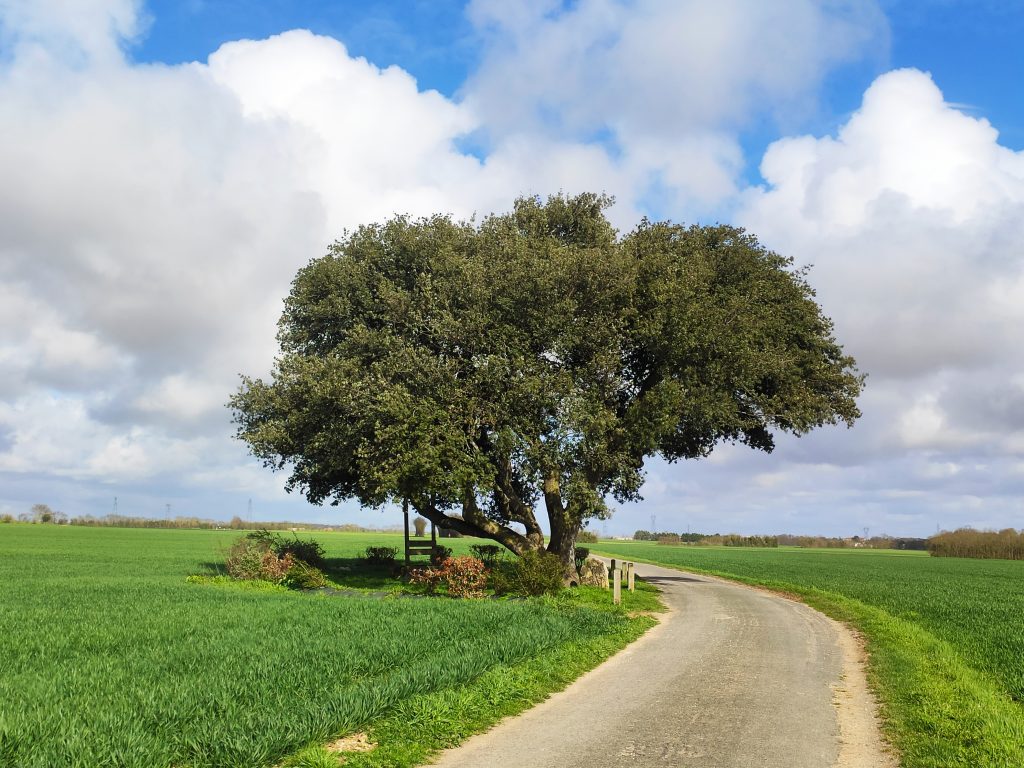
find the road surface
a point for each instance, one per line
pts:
(732, 677)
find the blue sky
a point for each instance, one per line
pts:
(169, 165)
(971, 47)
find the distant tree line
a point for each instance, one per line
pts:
(783, 539)
(1007, 544)
(39, 513)
(707, 539)
(735, 540)
(236, 523)
(690, 538)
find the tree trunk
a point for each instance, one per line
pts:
(565, 526)
(563, 544)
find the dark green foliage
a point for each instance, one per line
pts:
(910, 544)
(534, 573)
(587, 537)
(440, 554)
(306, 550)
(489, 554)
(734, 540)
(381, 555)
(481, 370)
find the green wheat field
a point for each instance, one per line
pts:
(110, 658)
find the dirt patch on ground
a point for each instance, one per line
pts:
(354, 742)
(860, 740)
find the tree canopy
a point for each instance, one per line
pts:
(527, 364)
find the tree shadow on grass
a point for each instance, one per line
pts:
(347, 573)
(357, 573)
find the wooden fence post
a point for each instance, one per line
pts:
(617, 589)
(630, 576)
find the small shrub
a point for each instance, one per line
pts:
(245, 559)
(274, 568)
(381, 555)
(304, 576)
(264, 556)
(489, 554)
(535, 573)
(427, 578)
(6, 518)
(308, 551)
(253, 558)
(587, 537)
(441, 553)
(465, 576)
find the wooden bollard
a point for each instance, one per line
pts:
(630, 576)
(617, 588)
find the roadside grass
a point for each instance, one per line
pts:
(949, 695)
(111, 657)
(423, 725)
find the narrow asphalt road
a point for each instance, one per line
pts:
(731, 678)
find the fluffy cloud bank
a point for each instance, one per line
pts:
(152, 218)
(912, 215)
(665, 83)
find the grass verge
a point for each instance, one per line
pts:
(420, 726)
(937, 711)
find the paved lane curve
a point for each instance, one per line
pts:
(730, 678)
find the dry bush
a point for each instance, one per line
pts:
(464, 576)
(253, 559)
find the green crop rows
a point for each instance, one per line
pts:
(946, 636)
(110, 658)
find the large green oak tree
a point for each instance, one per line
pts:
(523, 366)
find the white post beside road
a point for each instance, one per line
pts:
(630, 575)
(617, 588)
